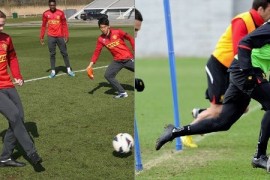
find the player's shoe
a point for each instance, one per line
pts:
(35, 158)
(268, 165)
(260, 162)
(165, 137)
(121, 95)
(188, 142)
(52, 75)
(71, 73)
(11, 162)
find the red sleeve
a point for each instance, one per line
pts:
(43, 26)
(239, 30)
(64, 25)
(97, 51)
(13, 61)
(127, 37)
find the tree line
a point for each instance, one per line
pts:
(42, 2)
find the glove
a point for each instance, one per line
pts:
(139, 85)
(90, 73)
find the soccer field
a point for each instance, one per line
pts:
(71, 120)
(222, 155)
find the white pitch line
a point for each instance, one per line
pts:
(47, 77)
(167, 156)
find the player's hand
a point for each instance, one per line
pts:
(139, 84)
(90, 65)
(18, 82)
(66, 39)
(42, 42)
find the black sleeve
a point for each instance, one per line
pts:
(256, 39)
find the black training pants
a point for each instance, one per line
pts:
(113, 70)
(236, 101)
(11, 108)
(60, 42)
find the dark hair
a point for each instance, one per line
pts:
(50, 1)
(138, 15)
(103, 21)
(2, 15)
(260, 3)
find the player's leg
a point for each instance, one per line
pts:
(196, 111)
(9, 139)
(129, 64)
(110, 75)
(234, 106)
(261, 94)
(218, 81)
(63, 49)
(9, 100)
(213, 111)
(52, 50)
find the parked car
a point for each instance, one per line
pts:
(92, 15)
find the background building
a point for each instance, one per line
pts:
(197, 25)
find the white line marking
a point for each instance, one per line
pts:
(169, 155)
(47, 77)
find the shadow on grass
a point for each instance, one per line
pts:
(31, 128)
(121, 155)
(110, 91)
(59, 69)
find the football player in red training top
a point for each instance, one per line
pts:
(10, 104)
(57, 35)
(113, 40)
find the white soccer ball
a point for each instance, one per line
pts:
(123, 143)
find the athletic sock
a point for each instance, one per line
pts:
(264, 135)
(201, 110)
(53, 72)
(68, 69)
(182, 131)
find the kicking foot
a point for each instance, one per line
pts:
(165, 137)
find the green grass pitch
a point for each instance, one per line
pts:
(222, 155)
(72, 120)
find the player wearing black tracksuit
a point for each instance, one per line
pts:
(247, 80)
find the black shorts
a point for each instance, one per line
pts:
(218, 80)
(237, 94)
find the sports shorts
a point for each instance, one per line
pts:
(217, 79)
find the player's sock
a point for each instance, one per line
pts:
(68, 69)
(201, 110)
(182, 131)
(53, 72)
(264, 135)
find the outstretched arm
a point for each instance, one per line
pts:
(96, 54)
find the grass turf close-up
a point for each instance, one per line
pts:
(221, 155)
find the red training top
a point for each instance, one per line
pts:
(115, 43)
(8, 57)
(239, 29)
(57, 24)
